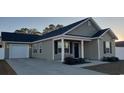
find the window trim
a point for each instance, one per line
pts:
(107, 48)
(58, 46)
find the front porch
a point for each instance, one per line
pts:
(68, 47)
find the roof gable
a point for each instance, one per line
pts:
(104, 31)
(86, 29)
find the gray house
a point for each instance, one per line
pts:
(82, 39)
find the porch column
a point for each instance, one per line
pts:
(98, 49)
(82, 48)
(62, 50)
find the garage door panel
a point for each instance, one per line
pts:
(19, 51)
(120, 53)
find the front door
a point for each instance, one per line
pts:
(76, 50)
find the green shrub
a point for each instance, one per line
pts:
(69, 61)
(81, 60)
(73, 61)
(110, 59)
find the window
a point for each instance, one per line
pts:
(0, 46)
(40, 50)
(55, 47)
(59, 47)
(71, 49)
(107, 47)
(35, 48)
(66, 45)
(35, 51)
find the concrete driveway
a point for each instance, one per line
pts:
(43, 67)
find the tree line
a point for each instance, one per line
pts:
(34, 31)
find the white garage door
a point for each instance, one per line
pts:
(120, 52)
(18, 51)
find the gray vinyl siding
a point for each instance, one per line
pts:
(47, 50)
(58, 56)
(84, 30)
(107, 37)
(91, 49)
(6, 51)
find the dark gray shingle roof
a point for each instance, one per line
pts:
(7, 36)
(99, 33)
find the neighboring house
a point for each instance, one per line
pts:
(82, 39)
(120, 50)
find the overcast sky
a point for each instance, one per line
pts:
(10, 24)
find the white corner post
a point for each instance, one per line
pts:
(62, 50)
(98, 49)
(82, 48)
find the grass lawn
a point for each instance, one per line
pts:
(5, 68)
(115, 68)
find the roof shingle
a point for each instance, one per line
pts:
(99, 33)
(7, 36)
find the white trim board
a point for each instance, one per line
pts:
(14, 42)
(82, 49)
(63, 51)
(58, 36)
